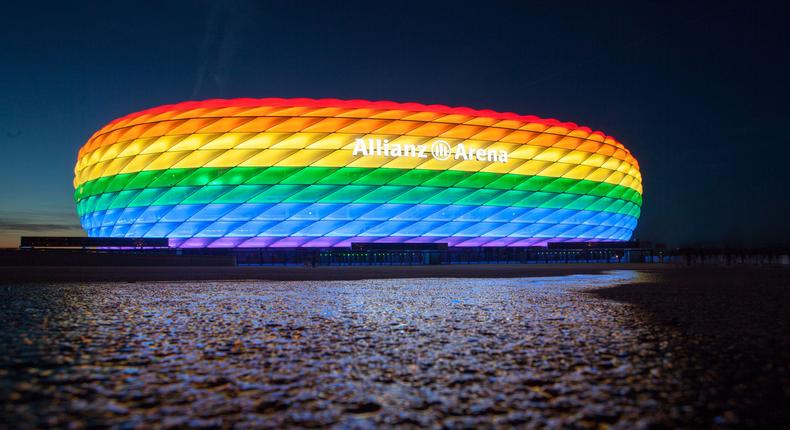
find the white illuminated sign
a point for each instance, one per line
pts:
(438, 149)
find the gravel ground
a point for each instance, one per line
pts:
(628, 349)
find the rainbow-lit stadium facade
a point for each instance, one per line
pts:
(329, 173)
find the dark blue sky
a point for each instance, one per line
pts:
(697, 92)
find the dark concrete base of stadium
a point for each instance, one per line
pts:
(363, 261)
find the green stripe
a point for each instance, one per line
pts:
(349, 176)
(320, 193)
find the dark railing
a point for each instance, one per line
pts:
(362, 254)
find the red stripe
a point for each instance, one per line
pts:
(357, 104)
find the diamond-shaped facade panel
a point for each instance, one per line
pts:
(319, 173)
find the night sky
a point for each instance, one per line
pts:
(698, 93)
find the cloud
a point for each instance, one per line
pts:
(38, 221)
(18, 225)
(225, 24)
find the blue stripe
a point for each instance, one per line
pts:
(355, 219)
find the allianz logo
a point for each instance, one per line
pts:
(438, 149)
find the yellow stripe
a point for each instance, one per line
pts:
(544, 162)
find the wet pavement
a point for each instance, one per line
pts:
(625, 349)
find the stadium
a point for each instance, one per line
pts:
(324, 173)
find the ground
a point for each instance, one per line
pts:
(702, 347)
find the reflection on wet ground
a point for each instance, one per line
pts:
(406, 352)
